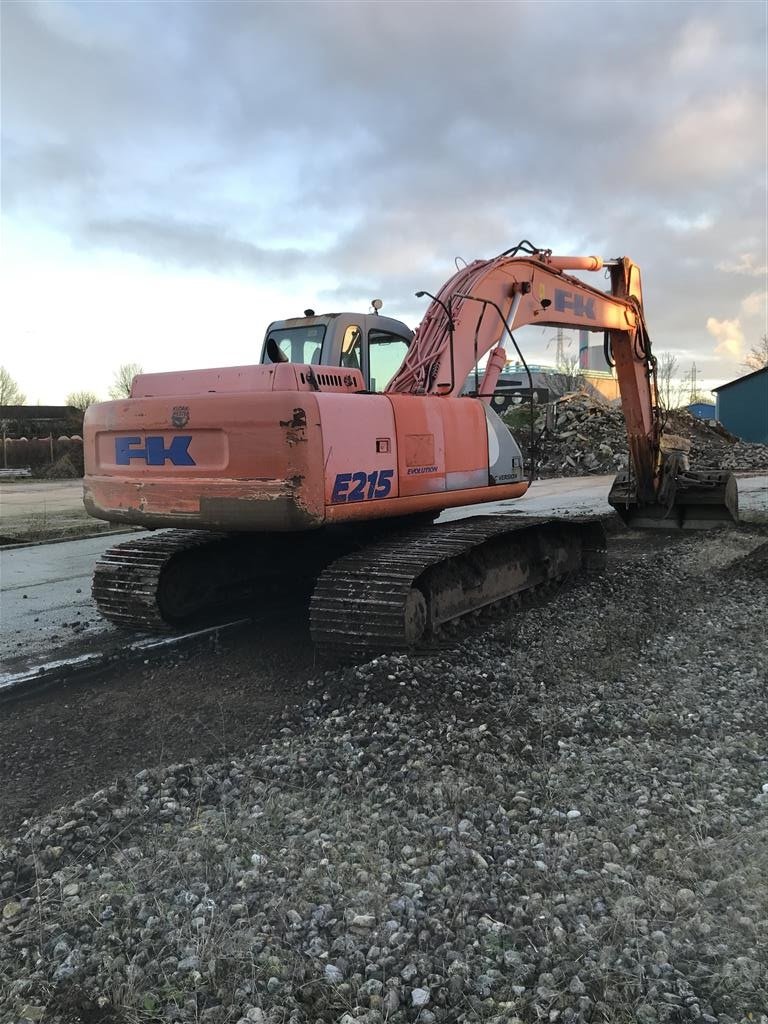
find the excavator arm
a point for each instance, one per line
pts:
(476, 312)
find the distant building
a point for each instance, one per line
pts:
(512, 387)
(549, 384)
(40, 420)
(703, 410)
(592, 356)
(742, 406)
(604, 381)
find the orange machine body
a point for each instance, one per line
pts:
(284, 448)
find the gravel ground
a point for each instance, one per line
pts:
(561, 818)
(72, 739)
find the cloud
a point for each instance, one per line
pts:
(748, 264)
(755, 304)
(707, 140)
(348, 142)
(209, 246)
(697, 43)
(53, 173)
(690, 224)
(729, 337)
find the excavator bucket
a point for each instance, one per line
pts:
(699, 501)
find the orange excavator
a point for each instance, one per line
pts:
(303, 468)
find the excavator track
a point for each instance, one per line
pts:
(160, 582)
(127, 579)
(397, 593)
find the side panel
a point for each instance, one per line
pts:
(466, 443)
(433, 444)
(359, 448)
(420, 443)
(446, 438)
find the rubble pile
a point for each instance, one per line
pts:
(589, 436)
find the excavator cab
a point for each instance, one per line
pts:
(375, 345)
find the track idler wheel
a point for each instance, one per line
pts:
(415, 616)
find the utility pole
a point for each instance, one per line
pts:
(559, 340)
(693, 394)
(560, 346)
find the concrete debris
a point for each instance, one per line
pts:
(589, 436)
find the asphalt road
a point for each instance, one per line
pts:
(46, 612)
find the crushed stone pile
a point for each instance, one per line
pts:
(589, 436)
(561, 819)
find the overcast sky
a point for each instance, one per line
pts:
(176, 175)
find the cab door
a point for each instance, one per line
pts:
(375, 349)
(384, 352)
(351, 352)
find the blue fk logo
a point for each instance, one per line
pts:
(576, 304)
(154, 452)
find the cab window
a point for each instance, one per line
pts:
(386, 352)
(301, 344)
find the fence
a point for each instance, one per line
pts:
(41, 452)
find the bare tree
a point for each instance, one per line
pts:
(121, 387)
(672, 389)
(10, 394)
(757, 357)
(568, 375)
(82, 399)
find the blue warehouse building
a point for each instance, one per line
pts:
(703, 410)
(742, 406)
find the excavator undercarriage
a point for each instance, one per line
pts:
(390, 593)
